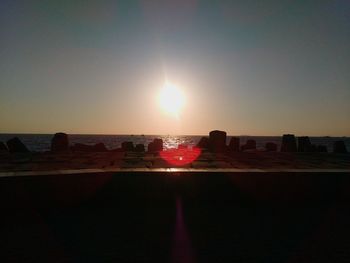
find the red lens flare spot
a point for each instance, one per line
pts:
(180, 157)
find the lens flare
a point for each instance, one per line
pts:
(180, 157)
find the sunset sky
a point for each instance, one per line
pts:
(246, 67)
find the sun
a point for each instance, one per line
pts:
(171, 99)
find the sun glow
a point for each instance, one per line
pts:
(171, 99)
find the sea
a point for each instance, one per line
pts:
(41, 142)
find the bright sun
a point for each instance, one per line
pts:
(171, 99)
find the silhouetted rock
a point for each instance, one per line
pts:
(312, 148)
(322, 149)
(60, 142)
(3, 147)
(289, 143)
(203, 143)
(339, 147)
(99, 147)
(271, 147)
(139, 148)
(80, 147)
(151, 147)
(234, 144)
(217, 141)
(304, 144)
(250, 145)
(117, 150)
(156, 145)
(128, 146)
(15, 145)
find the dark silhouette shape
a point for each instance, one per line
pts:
(158, 144)
(139, 148)
(3, 147)
(339, 147)
(100, 147)
(322, 149)
(128, 146)
(250, 145)
(135, 217)
(60, 142)
(151, 147)
(271, 147)
(234, 144)
(117, 150)
(155, 146)
(203, 143)
(80, 147)
(313, 148)
(304, 144)
(217, 141)
(16, 146)
(289, 143)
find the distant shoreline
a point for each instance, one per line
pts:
(145, 134)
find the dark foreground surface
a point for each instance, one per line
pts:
(169, 217)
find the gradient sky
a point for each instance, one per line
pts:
(246, 67)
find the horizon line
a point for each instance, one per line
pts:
(145, 134)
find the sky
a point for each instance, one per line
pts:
(246, 67)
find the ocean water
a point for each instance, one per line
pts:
(41, 142)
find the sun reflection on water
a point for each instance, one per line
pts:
(173, 141)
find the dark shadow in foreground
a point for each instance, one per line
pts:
(176, 218)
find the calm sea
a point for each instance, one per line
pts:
(41, 142)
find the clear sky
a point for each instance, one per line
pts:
(246, 67)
